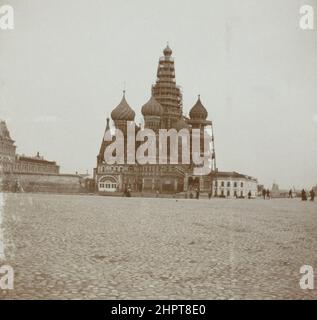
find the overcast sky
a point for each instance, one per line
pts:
(63, 68)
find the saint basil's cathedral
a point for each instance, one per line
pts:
(164, 110)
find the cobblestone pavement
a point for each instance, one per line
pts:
(90, 247)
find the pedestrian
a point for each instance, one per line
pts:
(268, 194)
(290, 194)
(312, 195)
(264, 193)
(197, 193)
(249, 195)
(304, 196)
(209, 195)
(17, 187)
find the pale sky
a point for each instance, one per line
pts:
(63, 69)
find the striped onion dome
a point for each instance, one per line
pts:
(198, 111)
(152, 108)
(123, 111)
(167, 51)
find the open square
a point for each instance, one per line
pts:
(90, 247)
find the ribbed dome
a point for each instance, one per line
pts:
(181, 124)
(152, 108)
(198, 111)
(123, 111)
(167, 51)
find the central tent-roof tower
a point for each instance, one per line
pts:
(166, 92)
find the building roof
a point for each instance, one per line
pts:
(167, 51)
(123, 111)
(38, 160)
(4, 132)
(152, 108)
(227, 174)
(198, 111)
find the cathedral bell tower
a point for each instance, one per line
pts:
(166, 92)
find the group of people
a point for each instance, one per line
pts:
(304, 195)
(266, 193)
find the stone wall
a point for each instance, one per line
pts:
(54, 183)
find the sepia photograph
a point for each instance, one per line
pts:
(158, 151)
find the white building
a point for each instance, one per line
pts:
(233, 185)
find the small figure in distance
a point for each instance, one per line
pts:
(304, 196)
(290, 194)
(249, 195)
(264, 193)
(312, 195)
(268, 194)
(197, 194)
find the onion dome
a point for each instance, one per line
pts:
(167, 51)
(152, 108)
(181, 124)
(198, 111)
(123, 111)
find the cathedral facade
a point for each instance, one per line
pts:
(164, 110)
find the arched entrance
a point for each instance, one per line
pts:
(107, 184)
(193, 183)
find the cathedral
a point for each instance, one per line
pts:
(164, 110)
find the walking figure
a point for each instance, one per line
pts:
(249, 195)
(18, 187)
(268, 194)
(304, 195)
(312, 195)
(264, 193)
(290, 194)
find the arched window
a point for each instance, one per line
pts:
(108, 184)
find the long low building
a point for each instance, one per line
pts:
(37, 182)
(233, 185)
(11, 162)
(32, 174)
